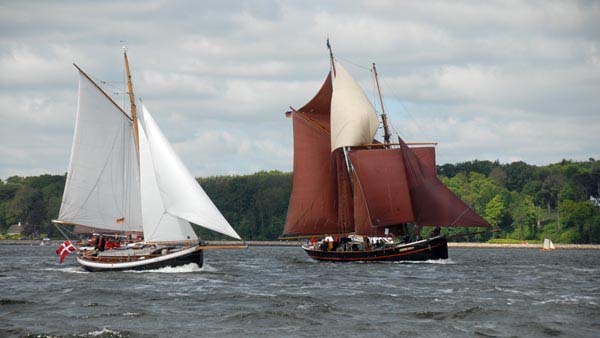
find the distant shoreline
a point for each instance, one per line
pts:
(297, 243)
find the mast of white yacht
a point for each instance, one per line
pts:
(132, 103)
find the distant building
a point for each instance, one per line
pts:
(15, 229)
(595, 201)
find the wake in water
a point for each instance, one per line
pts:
(188, 268)
(68, 269)
(447, 261)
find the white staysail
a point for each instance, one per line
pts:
(102, 187)
(548, 245)
(181, 194)
(159, 226)
(353, 119)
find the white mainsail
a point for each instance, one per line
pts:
(102, 187)
(159, 226)
(353, 119)
(180, 193)
(548, 245)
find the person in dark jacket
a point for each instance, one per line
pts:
(100, 243)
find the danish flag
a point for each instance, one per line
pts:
(65, 249)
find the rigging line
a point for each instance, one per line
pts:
(62, 232)
(420, 127)
(65, 235)
(108, 84)
(353, 63)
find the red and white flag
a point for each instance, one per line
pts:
(65, 249)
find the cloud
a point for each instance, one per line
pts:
(491, 80)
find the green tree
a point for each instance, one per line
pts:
(28, 207)
(495, 211)
(524, 216)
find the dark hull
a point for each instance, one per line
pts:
(430, 249)
(194, 257)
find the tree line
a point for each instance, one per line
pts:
(526, 202)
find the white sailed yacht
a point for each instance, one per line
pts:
(548, 245)
(124, 177)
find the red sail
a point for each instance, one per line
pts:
(433, 203)
(381, 190)
(313, 207)
(344, 189)
(427, 157)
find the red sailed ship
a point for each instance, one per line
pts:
(356, 197)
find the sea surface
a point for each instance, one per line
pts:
(280, 292)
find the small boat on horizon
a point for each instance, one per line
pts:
(124, 177)
(548, 245)
(356, 197)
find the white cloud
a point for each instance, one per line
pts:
(490, 80)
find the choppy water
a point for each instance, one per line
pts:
(279, 292)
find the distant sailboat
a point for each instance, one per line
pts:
(355, 193)
(548, 245)
(124, 177)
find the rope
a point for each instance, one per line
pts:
(353, 63)
(420, 127)
(65, 235)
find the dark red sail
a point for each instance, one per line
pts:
(344, 189)
(433, 203)
(427, 157)
(313, 207)
(381, 190)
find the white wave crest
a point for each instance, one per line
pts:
(104, 331)
(68, 269)
(447, 261)
(188, 268)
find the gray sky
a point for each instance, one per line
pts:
(505, 80)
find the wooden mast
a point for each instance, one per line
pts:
(386, 129)
(132, 102)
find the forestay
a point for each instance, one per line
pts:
(102, 187)
(180, 193)
(353, 118)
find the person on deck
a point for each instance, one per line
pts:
(417, 233)
(100, 242)
(109, 244)
(435, 232)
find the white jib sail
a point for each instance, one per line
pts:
(159, 226)
(353, 119)
(102, 187)
(181, 194)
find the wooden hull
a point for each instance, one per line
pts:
(124, 263)
(429, 249)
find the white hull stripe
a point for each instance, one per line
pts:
(136, 263)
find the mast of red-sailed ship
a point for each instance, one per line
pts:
(386, 129)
